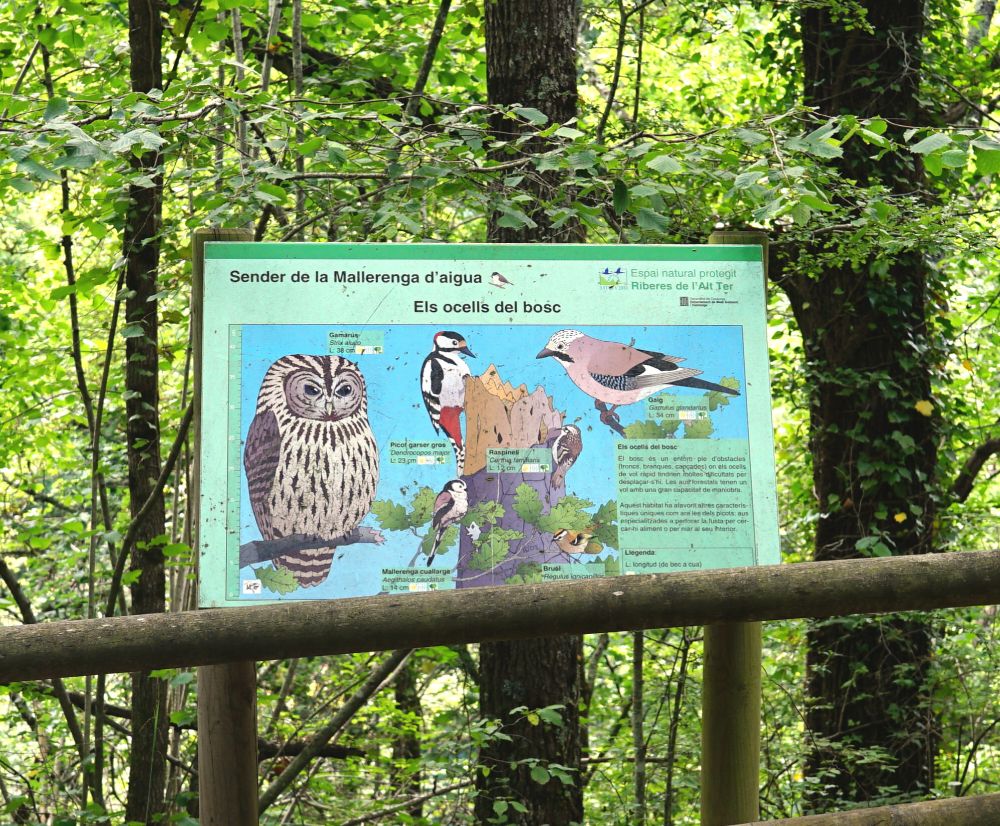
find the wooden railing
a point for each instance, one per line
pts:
(381, 623)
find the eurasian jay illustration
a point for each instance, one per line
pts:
(612, 373)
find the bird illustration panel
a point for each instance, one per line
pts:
(416, 459)
(484, 423)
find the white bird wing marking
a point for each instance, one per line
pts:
(431, 377)
(664, 377)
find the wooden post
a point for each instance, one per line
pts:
(730, 704)
(227, 744)
(227, 693)
(730, 724)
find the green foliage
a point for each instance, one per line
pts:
(568, 514)
(736, 148)
(718, 399)
(527, 503)
(421, 507)
(390, 515)
(448, 540)
(488, 512)
(652, 429)
(527, 572)
(277, 580)
(605, 524)
(698, 429)
(492, 548)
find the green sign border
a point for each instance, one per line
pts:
(291, 251)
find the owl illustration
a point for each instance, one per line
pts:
(311, 459)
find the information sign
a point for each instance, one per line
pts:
(390, 418)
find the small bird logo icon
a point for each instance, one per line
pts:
(610, 278)
(499, 280)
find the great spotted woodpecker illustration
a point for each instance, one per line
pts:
(442, 382)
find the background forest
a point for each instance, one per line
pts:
(862, 136)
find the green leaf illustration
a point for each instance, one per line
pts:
(278, 580)
(527, 572)
(485, 513)
(717, 399)
(421, 507)
(605, 524)
(527, 503)
(650, 429)
(569, 513)
(493, 548)
(390, 516)
(698, 429)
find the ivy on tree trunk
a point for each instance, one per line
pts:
(870, 356)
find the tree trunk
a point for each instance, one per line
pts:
(147, 758)
(531, 60)
(406, 744)
(501, 416)
(874, 453)
(519, 675)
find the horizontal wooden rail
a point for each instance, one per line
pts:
(981, 810)
(301, 629)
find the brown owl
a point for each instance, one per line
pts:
(311, 459)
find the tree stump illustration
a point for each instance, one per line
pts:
(501, 545)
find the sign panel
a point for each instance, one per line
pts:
(389, 418)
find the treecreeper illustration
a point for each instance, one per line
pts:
(311, 462)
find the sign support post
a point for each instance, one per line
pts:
(730, 724)
(227, 693)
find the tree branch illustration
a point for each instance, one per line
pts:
(264, 550)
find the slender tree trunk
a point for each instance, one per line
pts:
(147, 758)
(638, 735)
(870, 356)
(531, 60)
(406, 744)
